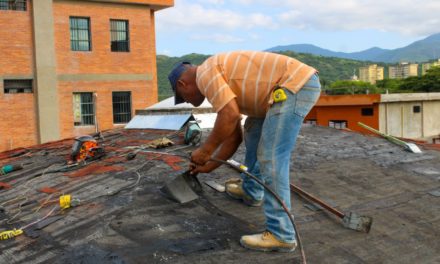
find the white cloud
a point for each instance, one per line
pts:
(165, 52)
(407, 17)
(214, 2)
(186, 16)
(219, 38)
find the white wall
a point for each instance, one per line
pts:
(397, 116)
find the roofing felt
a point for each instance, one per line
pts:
(124, 218)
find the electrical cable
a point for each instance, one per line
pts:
(39, 220)
(303, 255)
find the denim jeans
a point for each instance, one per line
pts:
(269, 142)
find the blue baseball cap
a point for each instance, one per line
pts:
(174, 76)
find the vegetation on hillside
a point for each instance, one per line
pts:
(165, 64)
(335, 75)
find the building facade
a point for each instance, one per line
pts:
(403, 70)
(371, 73)
(427, 66)
(345, 111)
(73, 67)
(413, 115)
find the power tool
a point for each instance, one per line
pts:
(85, 148)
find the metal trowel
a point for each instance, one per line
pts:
(183, 188)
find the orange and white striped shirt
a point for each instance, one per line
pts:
(250, 77)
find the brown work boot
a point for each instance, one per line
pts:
(266, 242)
(234, 188)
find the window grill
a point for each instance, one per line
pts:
(120, 41)
(17, 5)
(311, 121)
(83, 109)
(417, 109)
(80, 34)
(338, 124)
(121, 107)
(17, 86)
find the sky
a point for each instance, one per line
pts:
(212, 26)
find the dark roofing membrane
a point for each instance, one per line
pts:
(138, 224)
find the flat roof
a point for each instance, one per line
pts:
(124, 218)
(407, 97)
(154, 4)
(348, 100)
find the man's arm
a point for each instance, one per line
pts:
(227, 149)
(228, 118)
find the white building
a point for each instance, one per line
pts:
(412, 115)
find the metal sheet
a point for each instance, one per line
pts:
(165, 122)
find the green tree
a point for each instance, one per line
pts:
(390, 85)
(430, 82)
(165, 64)
(351, 87)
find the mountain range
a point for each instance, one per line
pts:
(420, 51)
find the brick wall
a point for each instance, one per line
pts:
(100, 60)
(139, 96)
(18, 119)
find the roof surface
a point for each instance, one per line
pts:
(348, 100)
(124, 218)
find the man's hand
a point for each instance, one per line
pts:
(223, 140)
(208, 167)
(200, 156)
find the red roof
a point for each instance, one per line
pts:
(341, 100)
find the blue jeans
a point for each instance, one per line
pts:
(269, 142)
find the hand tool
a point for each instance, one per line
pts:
(85, 148)
(183, 188)
(411, 147)
(350, 220)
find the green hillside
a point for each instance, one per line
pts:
(330, 69)
(164, 66)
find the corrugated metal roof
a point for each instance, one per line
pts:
(165, 122)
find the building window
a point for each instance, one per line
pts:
(19, 5)
(120, 41)
(417, 109)
(17, 86)
(367, 111)
(339, 124)
(121, 107)
(83, 109)
(80, 34)
(310, 121)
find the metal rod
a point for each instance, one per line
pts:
(312, 198)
